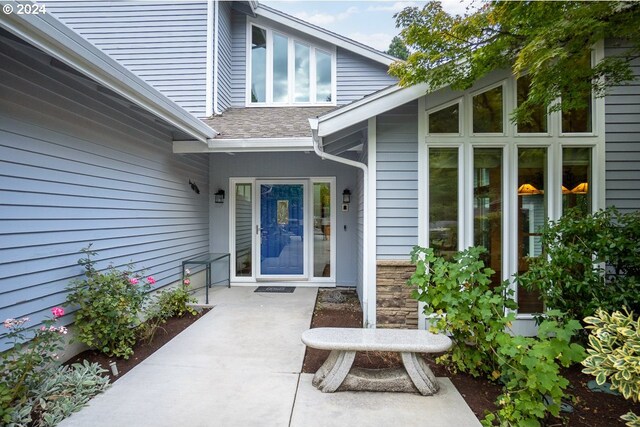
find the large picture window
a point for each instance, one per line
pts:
(287, 71)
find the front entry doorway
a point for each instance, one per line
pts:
(282, 243)
(282, 230)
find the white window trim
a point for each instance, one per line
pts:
(331, 50)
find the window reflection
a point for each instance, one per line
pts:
(443, 201)
(487, 206)
(243, 230)
(537, 120)
(445, 120)
(280, 68)
(258, 64)
(301, 72)
(576, 176)
(323, 76)
(487, 111)
(532, 216)
(321, 229)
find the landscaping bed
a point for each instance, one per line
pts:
(142, 349)
(341, 308)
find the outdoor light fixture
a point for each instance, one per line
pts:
(346, 196)
(219, 196)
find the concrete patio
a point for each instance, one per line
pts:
(240, 365)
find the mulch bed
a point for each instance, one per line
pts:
(142, 349)
(341, 308)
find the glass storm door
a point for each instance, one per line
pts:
(281, 222)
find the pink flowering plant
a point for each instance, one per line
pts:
(109, 304)
(32, 359)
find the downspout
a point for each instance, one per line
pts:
(365, 236)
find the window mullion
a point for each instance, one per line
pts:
(312, 75)
(269, 71)
(291, 65)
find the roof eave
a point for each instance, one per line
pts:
(54, 38)
(373, 105)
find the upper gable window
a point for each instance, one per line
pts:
(445, 120)
(537, 120)
(488, 111)
(286, 71)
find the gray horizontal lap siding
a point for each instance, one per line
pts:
(397, 182)
(622, 134)
(358, 76)
(78, 167)
(163, 43)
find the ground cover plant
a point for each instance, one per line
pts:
(34, 389)
(462, 302)
(614, 355)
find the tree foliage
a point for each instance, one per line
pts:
(397, 48)
(548, 40)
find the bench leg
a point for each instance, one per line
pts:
(334, 370)
(420, 374)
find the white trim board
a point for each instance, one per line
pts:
(248, 145)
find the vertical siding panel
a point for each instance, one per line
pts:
(77, 168)
(622, 135)
(358, 76)
(397, 182)
(164, 43)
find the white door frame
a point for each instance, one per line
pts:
(308, 278)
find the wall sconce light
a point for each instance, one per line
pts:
(346, 196)
(219, 196)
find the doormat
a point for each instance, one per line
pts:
(276, 289)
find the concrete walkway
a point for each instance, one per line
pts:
(239, 365)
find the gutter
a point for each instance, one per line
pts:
(367, 281)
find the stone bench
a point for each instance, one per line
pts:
(336, 374)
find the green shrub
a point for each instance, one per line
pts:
(461, 302)
(614, 354)
(175, 302)
(109, 305)
(31, 360)
(168, 303)
(588, 263)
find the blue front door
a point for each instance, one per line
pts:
(282, 243)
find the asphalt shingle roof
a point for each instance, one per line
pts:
(265, 122)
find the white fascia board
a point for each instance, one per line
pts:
(247, 145)
(322, 34)
(56, 39)
(371, 106)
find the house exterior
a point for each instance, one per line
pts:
(313, 167)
